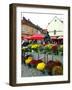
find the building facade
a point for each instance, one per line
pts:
(28, 28)
(55, 27)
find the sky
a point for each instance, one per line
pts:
(41, 19)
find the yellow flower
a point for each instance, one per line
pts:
(29, 57)
(49, 46)
(27, 61)
(41, 66)
(61, 46)
(35, 46)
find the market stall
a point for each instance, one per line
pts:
(44, 58)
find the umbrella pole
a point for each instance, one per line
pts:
(47, 56)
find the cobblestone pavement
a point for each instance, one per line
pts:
(29, 72)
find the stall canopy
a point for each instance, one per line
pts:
(27, 37)
(53, 37)
(37, 37)
(34, 37)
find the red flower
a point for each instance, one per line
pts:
(54, 48)
(58, 63)
(35, 62)
(50, 65)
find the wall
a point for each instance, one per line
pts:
(4, 45)
(55, 25)
(28, 30)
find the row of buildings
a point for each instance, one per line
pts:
(28, 28)
(54, 27)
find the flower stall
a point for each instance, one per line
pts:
(43, 57)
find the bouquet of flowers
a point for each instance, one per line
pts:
(54, 67)
(28, 60)
(24, 49)
(55, 48)
(34, 63)
(50, 64)
(41, 66)
(24, 52)
(57, 70)
(35, 47)
(60, 49)
(48, 48)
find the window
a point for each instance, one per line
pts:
(55, 20)
(54, 32)
(24, 29)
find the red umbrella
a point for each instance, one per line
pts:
(37, 37)
(28, 37)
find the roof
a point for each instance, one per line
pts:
(25, 21)
(28, 22)
(54, 19)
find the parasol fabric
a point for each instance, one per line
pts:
(28, 37)
(37, 37)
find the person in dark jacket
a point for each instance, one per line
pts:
(47, 38)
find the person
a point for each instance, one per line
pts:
(34, 41)
(25, 43)
(47, 38)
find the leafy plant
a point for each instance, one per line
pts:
(60, 49)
